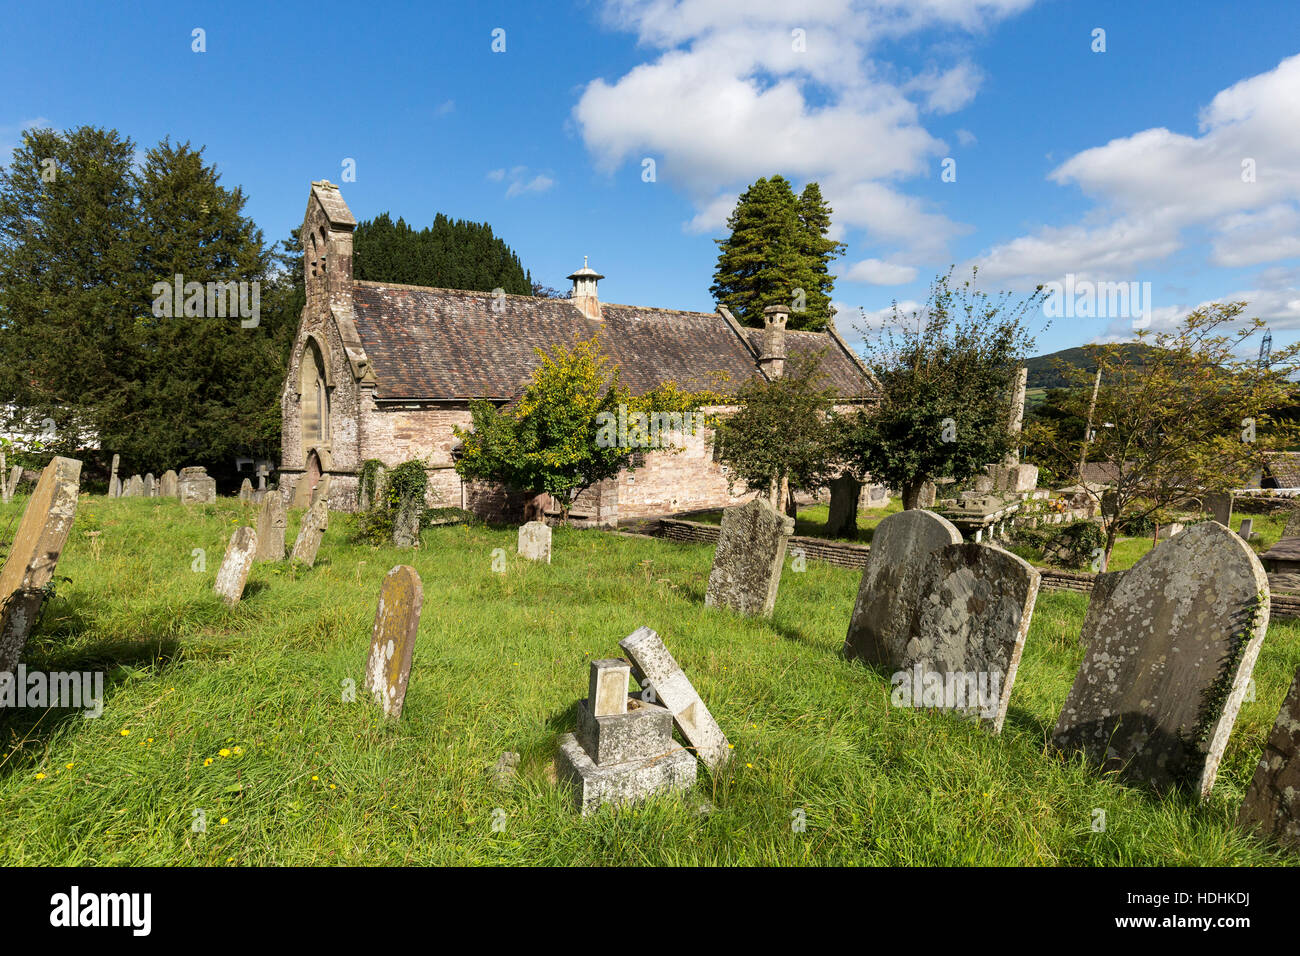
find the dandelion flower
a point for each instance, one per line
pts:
(237, 751)
(208, 762)
(40, 776)
(223, 821)
(314, 777)
(332, 787)
(67, 766)
(125, 732)
(223, 752)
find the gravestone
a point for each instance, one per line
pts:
(4, 484)
(1103, 586)
(406, 522)
(623, 756)
(1247, 528)
(846, 494)
(246, 491)
(1219, 504)
(1163, 678)
(134, 487)
(976, 602)
(235, 566)
(929, 490)
(653, 665)
(114, 483)
(167, 485)
(150, 489)
(302, 496)
(271, 522)
(15, 476)
(1292, 527)
(314, 523)
(535, 541)
(34, 555)
(322, 491)
(1272, 804)
(889, 593)
(392, 640)
(194, 486)
(747, 562)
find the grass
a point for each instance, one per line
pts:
(499, 662)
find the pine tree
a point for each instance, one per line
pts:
(777, 253)
(447, 255)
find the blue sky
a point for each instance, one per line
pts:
(1115, 166)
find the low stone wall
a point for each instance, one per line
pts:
(846, 555)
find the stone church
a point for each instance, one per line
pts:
(386, 371)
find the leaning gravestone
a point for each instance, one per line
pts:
(167, 485)
(747, 562)
(314, 523)
(114, 484)
(392, 641)
(653, 665)
(1219, 504)
(1272, 804)
(194, 486)
(974, 612)
(535, 541)
(246, 491)
(235, 566)
(889, 593)
(1103, 586)
(270, 529)
(1162, 680)
(35, 554)
(1247, 528)
(302, 496)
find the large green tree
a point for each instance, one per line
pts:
(777, 253)
(946, 373)
(450, 254)
(87, 239)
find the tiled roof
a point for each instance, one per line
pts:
(1284, 466)
(450, 344)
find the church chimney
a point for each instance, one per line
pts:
(584, 290)
(772, 358)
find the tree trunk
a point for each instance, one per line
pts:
(791, 507)
(912, 494)
(1112, 530)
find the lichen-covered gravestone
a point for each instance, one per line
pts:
(1103, 586)
(392, 641)
(150, 486)
(134, 487)
(1219, 504)
(34, 555)
(889, 594)
(746, 572)
(322, 491)
(302, 497)
(167, 485)
(976, 604)
(535, 541)
(1162, 680)
(235, 566)
(314, 523)
(1272, 804)
(406, 522)
(195, 486)
(652, 665)
(246, 491)
(270, 529)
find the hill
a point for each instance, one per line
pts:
(1043, 371)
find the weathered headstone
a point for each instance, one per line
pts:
(747, 562)
(624, 756)
(929, 491)
(246, 491)
(302, 496)
(1162, 680)
(1247, 527)
(167, 485)
(15, 476)
(392, 640)
(314, 523)
(842, 520)
(134, 487)
(1292, 527)
(322, 491)
(235, 566)
(114, 484)
(194, 486)
(271, 522)
(889, 593)
(535, 541)
(976, 604)
(607, 694)
(150, 489)
(1272, 804)
(406, 522)
(34, 555)
(1219, 504)
(653, 665)
(1103, 586)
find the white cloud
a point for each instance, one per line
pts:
(966, 138)
(724, 99)
(521, 181)
(445, 107)
(880, 273)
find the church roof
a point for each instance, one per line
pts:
(447, 344)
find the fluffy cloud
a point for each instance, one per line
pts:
(725, 99)
(520, 181)
(880, 273)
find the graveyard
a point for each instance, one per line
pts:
(241, 711)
